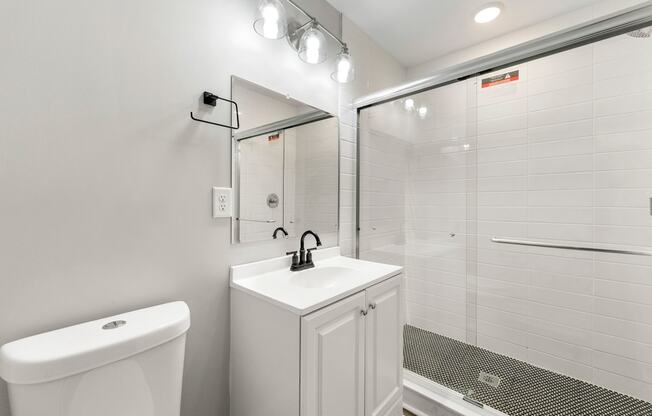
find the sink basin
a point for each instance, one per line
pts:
(334, 277)
(321, 277)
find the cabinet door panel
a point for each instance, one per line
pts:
(384, 352)
(332, 359)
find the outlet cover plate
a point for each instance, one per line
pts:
(222, 202)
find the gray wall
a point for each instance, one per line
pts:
(105, 183)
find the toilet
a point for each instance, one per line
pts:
(126, 365)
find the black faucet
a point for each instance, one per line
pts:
(281, 229)
(304, 259)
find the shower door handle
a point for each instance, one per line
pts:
(569, 247)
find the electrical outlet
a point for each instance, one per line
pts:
(222, 202)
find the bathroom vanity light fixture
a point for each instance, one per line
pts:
(344, 69)
(308, 39)
(270, 20)
(312, 46)
(488, 13)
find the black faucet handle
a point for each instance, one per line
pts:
(295, 257)
(309, 254)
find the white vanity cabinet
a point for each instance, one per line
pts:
(351, 355)
(384, 349)
(343, 358)
(333, 359)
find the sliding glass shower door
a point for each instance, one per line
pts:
(519, 203)
(417, 209)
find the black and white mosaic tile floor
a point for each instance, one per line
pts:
(524, 390)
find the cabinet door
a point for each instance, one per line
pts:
(332, 359)
(384, 352)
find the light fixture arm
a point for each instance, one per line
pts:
(305, 26)
(314, 21)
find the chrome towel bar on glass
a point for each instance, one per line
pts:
(263, 221)
(569, 247)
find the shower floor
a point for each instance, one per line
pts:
(524, 390)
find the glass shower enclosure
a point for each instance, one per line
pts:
(520, 204)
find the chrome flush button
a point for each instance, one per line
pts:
(114, 324)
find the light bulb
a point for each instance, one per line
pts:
(311, 45)
(488, 13)
(423, 112)
(270, 12)
(312, 49)
(409, 104)
(344, 70)
(270, 20)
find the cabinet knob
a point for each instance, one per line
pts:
(363, 313)
(372, 305)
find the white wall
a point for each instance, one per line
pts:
(106, 182)
(558, 23)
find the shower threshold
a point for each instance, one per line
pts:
(503, 384)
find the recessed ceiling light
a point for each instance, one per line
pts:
(488, 13)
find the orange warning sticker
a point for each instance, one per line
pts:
(505, 78)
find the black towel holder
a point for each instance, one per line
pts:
(212, 99)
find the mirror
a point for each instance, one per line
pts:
(285, 166)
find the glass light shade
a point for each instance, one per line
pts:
(423, 112)
(312, 46)
(344, 69)
(271, 22)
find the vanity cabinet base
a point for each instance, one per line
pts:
(345, 359)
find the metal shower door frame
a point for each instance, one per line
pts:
(615, 24)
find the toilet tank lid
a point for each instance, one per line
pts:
(75, 349)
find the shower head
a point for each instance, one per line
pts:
(645, 32)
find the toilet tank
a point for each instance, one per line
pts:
(125, 365)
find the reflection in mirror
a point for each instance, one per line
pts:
(285, 167)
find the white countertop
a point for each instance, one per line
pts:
(334, 276)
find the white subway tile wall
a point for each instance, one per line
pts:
(564, 154)
(348, 174)
(316, 184)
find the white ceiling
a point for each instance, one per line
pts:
(416, 31)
